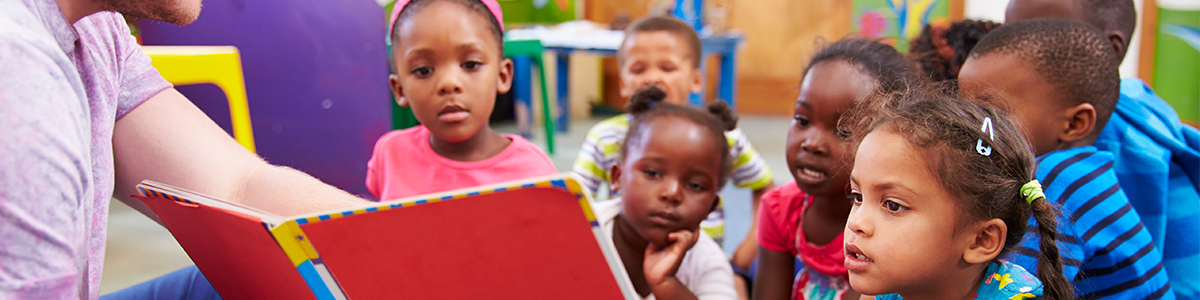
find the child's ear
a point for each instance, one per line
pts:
(698, 81)
(987, 242)
(504, 81)
(397, 90)
(1081, 121)
(614, 178)
(1117, 38)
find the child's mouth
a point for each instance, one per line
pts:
(856, 261)
(663, 218)
(810, 176)
(453, 113)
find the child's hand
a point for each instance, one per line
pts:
(662, 262)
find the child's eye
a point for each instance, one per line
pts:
(422, 72)
(800, 120)
(893, 206)
(856, 197)
(472, 65)
(651, 173)
(695, 186)
(668, 68)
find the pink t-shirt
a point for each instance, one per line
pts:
(823, 275)
(404, 165)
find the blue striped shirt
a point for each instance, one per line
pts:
(1157, 161)
(1105, 247)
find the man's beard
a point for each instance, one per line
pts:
(170, 11)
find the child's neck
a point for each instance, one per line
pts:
(631, 247)
(960, 283)
(483, 145)
(825, 219)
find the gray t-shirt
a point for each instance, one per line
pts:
(62, 88)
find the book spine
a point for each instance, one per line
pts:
(307, 262)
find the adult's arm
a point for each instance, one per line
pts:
(168, 139)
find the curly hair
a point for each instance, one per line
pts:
(939, 51)
(986, 186)
(880, 61)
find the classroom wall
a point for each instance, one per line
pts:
(780, 34)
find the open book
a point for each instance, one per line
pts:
(530, 239)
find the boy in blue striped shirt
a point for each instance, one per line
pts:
(1156, 158)
(1061, 82)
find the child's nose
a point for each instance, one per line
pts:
(669, 191)
(857, 223)
(652, 77)
(815, 142)
(449, 84)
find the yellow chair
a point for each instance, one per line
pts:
(218, 65)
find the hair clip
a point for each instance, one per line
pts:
(987, 127)
(1032, 190)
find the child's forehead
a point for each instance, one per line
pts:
(654, 42)
(442, 16)
(443, 24)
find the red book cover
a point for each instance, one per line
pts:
(531, 239)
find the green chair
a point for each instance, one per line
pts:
(525, 54)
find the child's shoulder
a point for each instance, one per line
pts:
(783, 204)
(1007, 280)
(611, 131)
(1075, 160)
(788, 194)
(525, 158)
(618, 122)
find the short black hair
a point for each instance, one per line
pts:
(668, 24)
(1073, 57)
(476, 6)
(939, 52)
(890, 70)
(646, 105)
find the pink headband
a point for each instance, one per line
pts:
(492, 6)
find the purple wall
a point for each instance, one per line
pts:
(316, 78)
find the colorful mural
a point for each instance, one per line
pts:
(897, 21)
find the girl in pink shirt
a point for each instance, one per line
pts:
(801, 223)
(448, 57)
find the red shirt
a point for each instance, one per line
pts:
(404, 165)
(779, 230)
